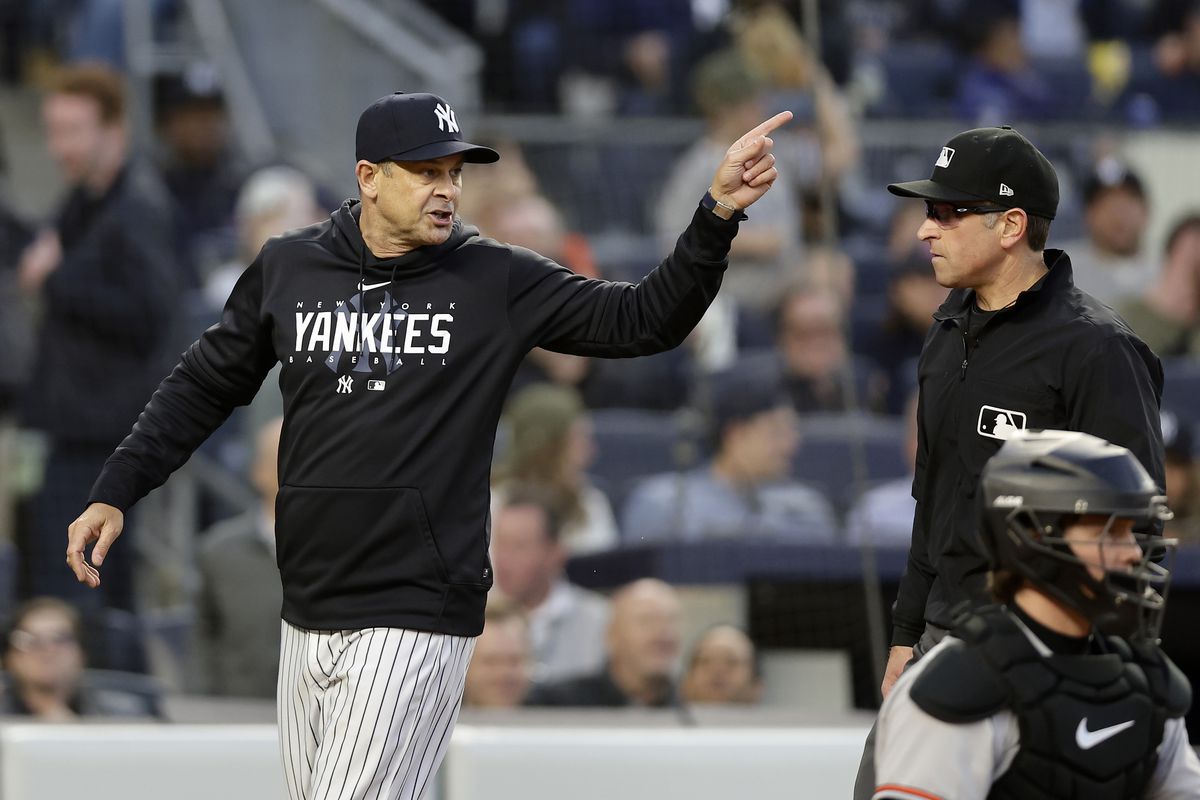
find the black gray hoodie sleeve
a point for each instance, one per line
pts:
(549, 306)
(220, 371)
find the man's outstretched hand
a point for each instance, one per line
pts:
(99, 523)
(749, 166)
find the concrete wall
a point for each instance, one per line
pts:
(496, 762)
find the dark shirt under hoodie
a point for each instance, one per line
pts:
(391, 395)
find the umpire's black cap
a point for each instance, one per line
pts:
(414, 127)
(998, 165)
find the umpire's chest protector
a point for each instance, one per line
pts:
(1090, 725)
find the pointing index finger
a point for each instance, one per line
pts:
(764, 128)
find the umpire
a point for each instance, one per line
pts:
(1016, 345)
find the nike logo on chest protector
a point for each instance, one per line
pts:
(1088, 739)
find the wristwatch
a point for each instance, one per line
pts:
(722, 210)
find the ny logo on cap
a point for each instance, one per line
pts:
(944, 158)
(445, 118)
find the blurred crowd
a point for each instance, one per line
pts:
(788, 416)
(1129, 60)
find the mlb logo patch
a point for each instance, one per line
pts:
(944, 158)
(999, 423)
(375, 386)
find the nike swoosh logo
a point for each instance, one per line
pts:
(1088, 739)
(366, 287)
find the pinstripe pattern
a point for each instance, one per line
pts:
(367, 714)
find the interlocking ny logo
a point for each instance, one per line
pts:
(445, 117)
(345, 384)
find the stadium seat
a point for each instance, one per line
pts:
(1181, 387)
(8, 576)
(920, 78)
(829, 447)
(168, 637)
(123, 645)
(126, 693)
(1070, 83)
(634, 443)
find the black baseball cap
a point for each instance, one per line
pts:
(414, 127)
(1111, 173)
(751, 387)
(997, 165)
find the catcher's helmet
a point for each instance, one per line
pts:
(1041, 481)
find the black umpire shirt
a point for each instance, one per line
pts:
(1056, 358)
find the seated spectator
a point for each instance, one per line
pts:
(744, 492)
(200, 168)
(1108, 263)
(501, 666)
(509, 178)
(730, 94)
(16, 318)
(1054, 29)
(45, 665)
(768, 38)
(566, 623)
(723, 669)
(630, 56)
(998, 86)
(641, 645)
(236, 645)
(531, 221)
(109, 291)
(16, 342)
(907, 215)
(883, 516)
(1167, 315)
(527, 219)
(913, 295)
(828, 269)
(1169, 89)
(1183, 479)
(551, 447)
(271, 201)
(810, 337)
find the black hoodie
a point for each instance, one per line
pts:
(390, 415)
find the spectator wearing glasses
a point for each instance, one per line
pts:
(1015, 346)
(45, 665)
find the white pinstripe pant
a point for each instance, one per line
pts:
(367, 714)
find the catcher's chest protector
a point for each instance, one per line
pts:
(1090, 725)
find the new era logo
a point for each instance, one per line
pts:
(944, 158)
(1005, 191)
(999, 423)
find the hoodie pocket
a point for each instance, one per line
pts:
(354, 541)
